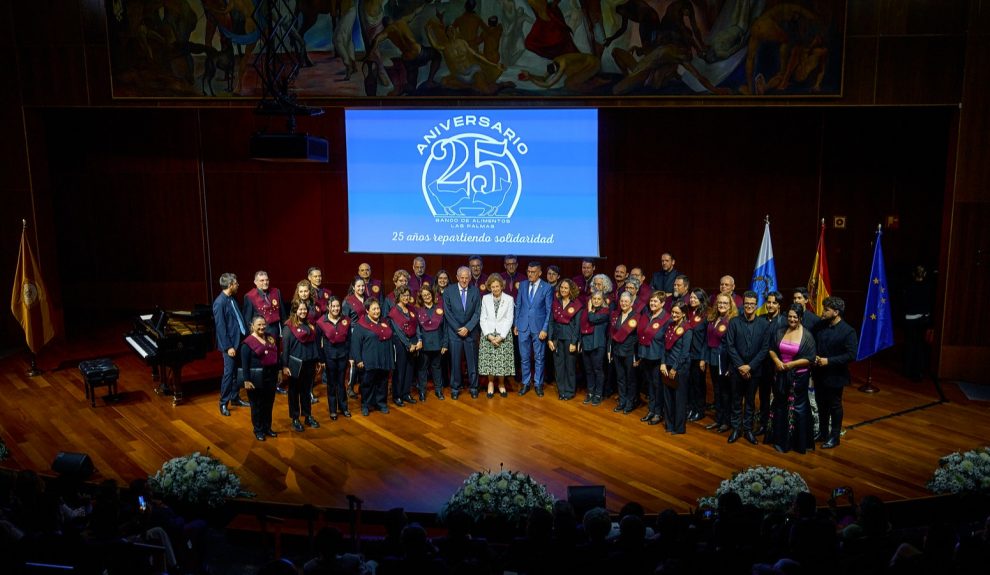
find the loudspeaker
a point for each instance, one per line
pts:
(585, 497)
(77, 465)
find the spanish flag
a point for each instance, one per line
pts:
(819, 284)
(29, 302)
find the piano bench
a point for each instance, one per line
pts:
(96, 373)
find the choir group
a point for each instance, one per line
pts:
(661, 339)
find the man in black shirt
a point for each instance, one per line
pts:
(836, 344)
(746, 342)
(663, 280)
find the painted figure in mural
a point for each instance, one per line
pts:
(405, 73)
(343, 37)
(514, 20)
(550, 36)
(577, 70)
(641, 13)
(800, 36)
(469, 70)
(492, 39)
(370, 15)
(471, 27)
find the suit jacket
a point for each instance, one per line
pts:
(501, 322)
(228, 327)
(533, 315)
(455, 314)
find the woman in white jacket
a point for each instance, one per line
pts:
(495, 355)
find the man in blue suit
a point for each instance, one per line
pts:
(231, 329)
(462, 305)
(531, 323)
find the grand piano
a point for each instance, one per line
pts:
(168, 340)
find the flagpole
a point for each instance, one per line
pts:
(868, 387)
(34, 370)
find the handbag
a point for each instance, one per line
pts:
(295, 366)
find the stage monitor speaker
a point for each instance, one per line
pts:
(77, 465)
(585, 497)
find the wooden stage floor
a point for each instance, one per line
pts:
(416, 457)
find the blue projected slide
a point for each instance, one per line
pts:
(487, 182)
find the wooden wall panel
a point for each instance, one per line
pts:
(916, 69)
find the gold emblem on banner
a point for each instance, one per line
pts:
(632, 323)
(343, 322)
(656, 325)
(375, 289)
(679, 331)
(274, 303)
(721, 328)
(482, 287)
(439, 311)
(570, 309)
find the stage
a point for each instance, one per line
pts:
(417, 456)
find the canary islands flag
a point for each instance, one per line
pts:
(764, 274)
(878, 325)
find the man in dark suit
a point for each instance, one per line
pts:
(462, 306)
(531, 323)
(836, 344)
(663, 280)
(231, 329)
(746, 342)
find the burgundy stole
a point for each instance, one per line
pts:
(563, 314)
(304, 332)
(267, 352)
(382, 330)
(321, 299)
(373, 289)
(430, 318)
(693, 319)
(621, 332)
(673, 333)
(716, 331)
(335, 333)
(406, 324)
(586, 326)
(268, 309)
(648, 328)
(356, 304)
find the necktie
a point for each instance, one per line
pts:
(464, 298)
(532, 290)
(237, 314)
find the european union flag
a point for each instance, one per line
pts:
(878, 325)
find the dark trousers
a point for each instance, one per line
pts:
(405, 367)
(299, 389)
(593, 370)
(263, 400)
(611, 383)
(675, 401)
(465, 347)
(228, 383)
(650, 371)
(444, 371)
(374, 388)
(829, 411)
(429, 363)
(336, 392)
(722, 388)
(743, 401)
(563, 361)
(697, 390)
(625, 380)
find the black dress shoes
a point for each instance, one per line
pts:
(271, 433)
(503, 393)
(259, 436)
(296, 426)
(723, 428)
(439, 395)
(750, 437)
(224, 410)
(657, 420)
(617, 408)
(761, 430)
(474, 394)
(351, 394)
(333, 417)
(830, 444)
(596, 400)
(409, 399)
(712, 425)
(647, 417)
(587, 400)
(281, 391)
(524, 390)
(422, 396)
(454, 395)
(312, 422)
(346, 413)
(313, 399)
(399, 403)
(696, 416)
(490, 394)
(241, 403)
(539, 392)
(734, 436)
(364, 411)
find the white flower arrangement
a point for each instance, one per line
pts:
(198, 480)
(506, 494)
(962, 472)
(767, 488)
